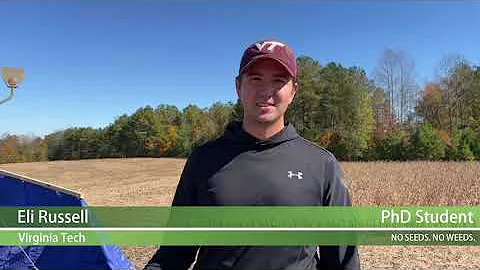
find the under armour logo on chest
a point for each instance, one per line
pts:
(299, 175)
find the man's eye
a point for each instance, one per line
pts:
(256, 79)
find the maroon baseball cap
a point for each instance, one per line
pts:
(269, 49)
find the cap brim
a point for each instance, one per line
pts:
(266, 56)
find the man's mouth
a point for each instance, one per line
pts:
(264, 104)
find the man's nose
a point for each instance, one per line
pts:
(267, 90)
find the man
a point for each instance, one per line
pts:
(261, 161)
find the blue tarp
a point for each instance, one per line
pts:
(17, 192)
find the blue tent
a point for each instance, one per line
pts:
(19, 190)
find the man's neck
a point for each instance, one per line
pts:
(262, 131)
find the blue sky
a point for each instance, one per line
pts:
(88, 62)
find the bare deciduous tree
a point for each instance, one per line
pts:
(395, 74)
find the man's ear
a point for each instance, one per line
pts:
(238, 85)
(295, 89)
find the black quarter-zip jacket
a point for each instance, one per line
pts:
(238, 169)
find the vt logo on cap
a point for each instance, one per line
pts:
(269, 45)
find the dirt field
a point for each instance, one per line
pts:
(153, 181)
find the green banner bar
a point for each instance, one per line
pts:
(252, 216)
(141, 238)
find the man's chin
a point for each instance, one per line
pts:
(266, 119)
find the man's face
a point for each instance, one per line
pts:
(265, 90)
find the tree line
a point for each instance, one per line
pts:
(387, 117)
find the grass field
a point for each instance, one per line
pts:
(148, 181)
